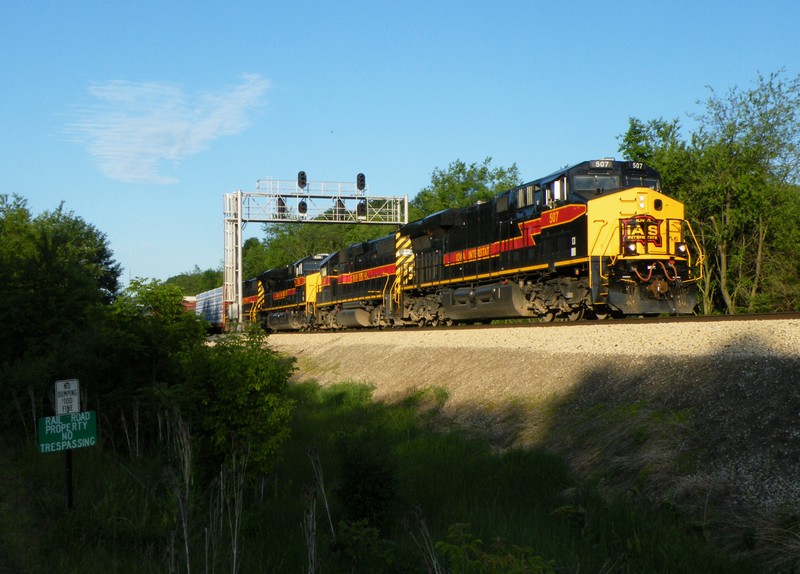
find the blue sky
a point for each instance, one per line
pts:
(139, 116)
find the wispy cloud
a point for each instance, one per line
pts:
(131, 129)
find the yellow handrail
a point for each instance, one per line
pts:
(700, 255)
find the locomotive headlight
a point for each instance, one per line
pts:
(630, 248)
(641, 201)
(680, 248)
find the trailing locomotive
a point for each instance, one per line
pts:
(594, 239)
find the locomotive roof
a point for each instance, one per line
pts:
(444, 218)
(607, 166)
(310, 258)
(604, 164)
(356, 249)
(278, 272)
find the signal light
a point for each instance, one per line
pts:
(361, 182)
(301, 180)
(302, 207)
(361, 209)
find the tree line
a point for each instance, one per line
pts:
(736, 171)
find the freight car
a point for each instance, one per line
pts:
(595, 239)
(210, 305)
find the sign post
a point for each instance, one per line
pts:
(68, 429)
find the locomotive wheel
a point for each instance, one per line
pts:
(548, 317)
(575, 314)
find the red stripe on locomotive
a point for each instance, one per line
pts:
(529, 229)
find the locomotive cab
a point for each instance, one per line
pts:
(642, 255)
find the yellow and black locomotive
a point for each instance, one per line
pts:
(594, 239)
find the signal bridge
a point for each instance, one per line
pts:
(280, 201)
(301, 201)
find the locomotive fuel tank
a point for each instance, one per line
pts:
(353, 318)
(498, 300)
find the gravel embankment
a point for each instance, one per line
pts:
(739, 382)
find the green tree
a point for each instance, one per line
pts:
(748, 144)
(660, 143)
(738, 176)
(231, 394)
(53, 267)
(235, 394)
(17, 287)
(154, 328)
(255, 258)
(70, 245)
(461, 185)
(56, 271)
(196, 281)
(132, 353)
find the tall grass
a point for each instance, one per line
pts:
(391, 482)
(520, 499)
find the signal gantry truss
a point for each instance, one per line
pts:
(280, 201)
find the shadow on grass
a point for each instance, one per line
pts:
(635, 468)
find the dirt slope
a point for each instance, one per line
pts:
(730, 392)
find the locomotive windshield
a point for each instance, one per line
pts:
(595, 182)
(633, 181)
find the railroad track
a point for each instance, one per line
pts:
(535, 323)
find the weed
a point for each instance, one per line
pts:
(383, 463)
